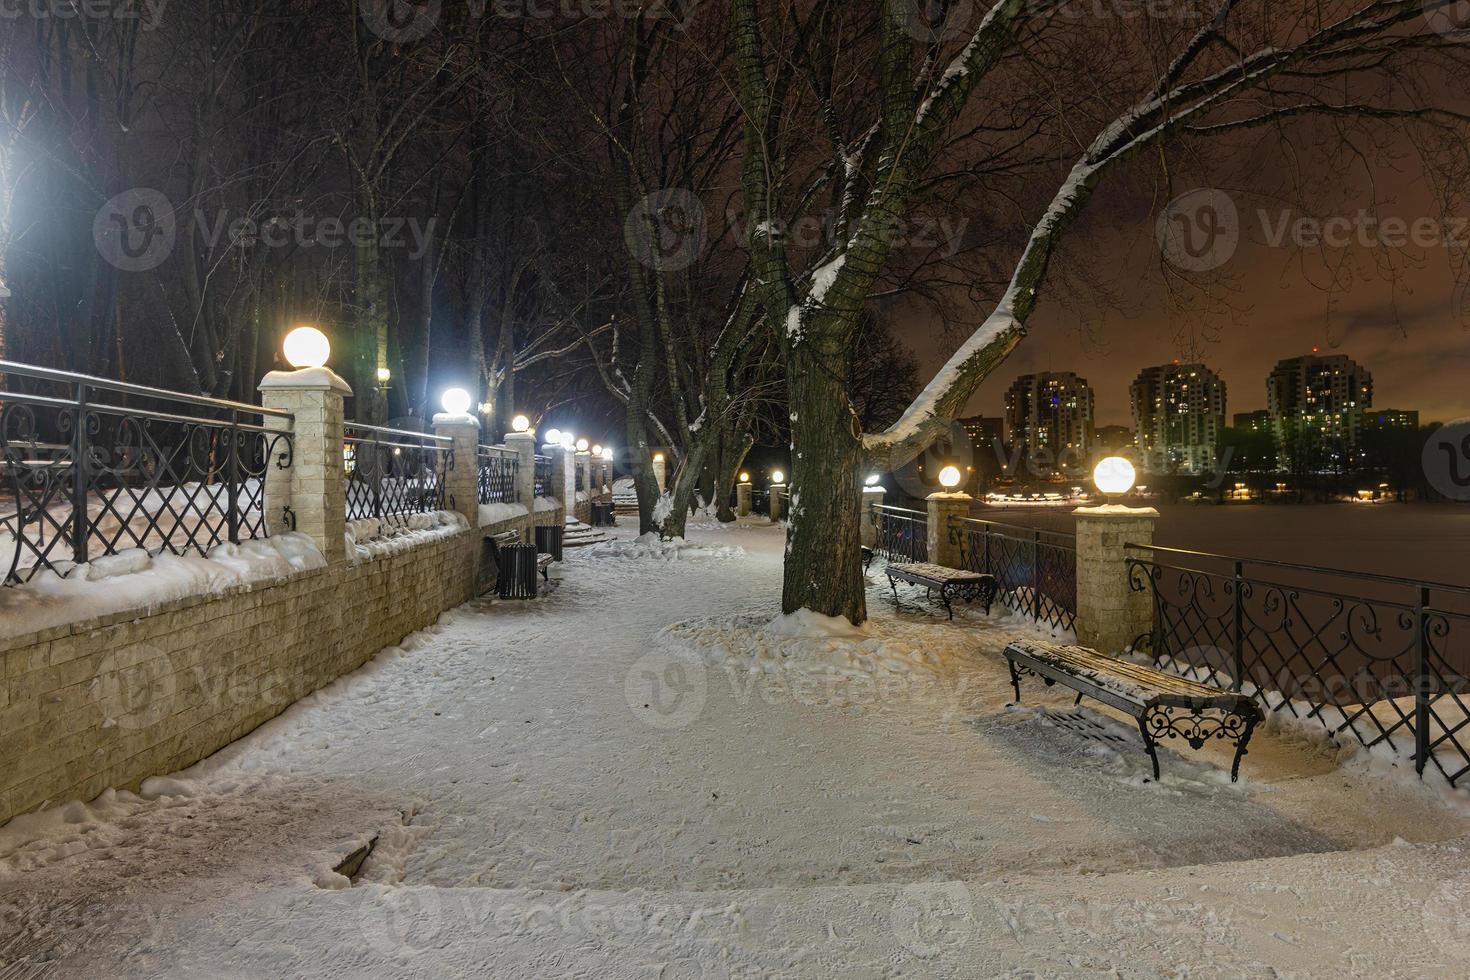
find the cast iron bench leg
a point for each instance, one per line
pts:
(893, 584)
(944, 597)
(1015, 679)
(1148, 743)
(1250, 718)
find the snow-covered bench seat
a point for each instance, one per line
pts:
(1165, 705)
(950, 583)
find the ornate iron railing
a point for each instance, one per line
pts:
(497, 480)
(393, 473)
(1036, 570)
(543, 477)
(1383, 660)
(91, 467)
(903, 535)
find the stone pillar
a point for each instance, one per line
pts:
(660, 472)
(743, 493)
(872, 497)
(1110, 615)
(462, 482)
(773, 500)
(944, 548)
(315, 485)
(584, 508)
(563, 477)
(523, 444)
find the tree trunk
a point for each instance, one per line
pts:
(824, 570)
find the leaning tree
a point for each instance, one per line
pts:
(1106, 92)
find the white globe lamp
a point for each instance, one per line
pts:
(872, 479)
(949, 477)
(583, 445)
(553, 437)
(520, 424)
(778, 477)
(1114, 476)
(456, 401)
(306, 347)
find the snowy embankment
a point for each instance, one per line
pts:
(650, 545)
(373, 538)
(135, 580)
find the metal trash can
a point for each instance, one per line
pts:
(549, 540)
(604, 515)
(517, 572)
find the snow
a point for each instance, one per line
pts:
(371, 537)
(639, 776)
(650, 545)
(544, 504)
(663, 508)
(826, 276)
(497, 512)
(322, 377)
(1116, 510)
(135, 581)
(793, 323)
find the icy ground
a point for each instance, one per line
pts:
(640, 777)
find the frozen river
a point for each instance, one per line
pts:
(1426, 542)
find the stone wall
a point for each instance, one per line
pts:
(111, 701)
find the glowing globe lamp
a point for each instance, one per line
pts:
(583, 445)
(1114, 475)
(778, 477)
(744, 477)
(553, 437)
(456, 401)
(520, 423)
(872, 479)
(306, 347)
(949, 477)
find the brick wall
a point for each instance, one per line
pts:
(111, 701)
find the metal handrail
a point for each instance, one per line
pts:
(1314, 569)
(890, 509)
(1029, 532)
(501, 451)
(409, 433)
(104, 384)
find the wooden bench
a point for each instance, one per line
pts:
(1164, 705)
(950, 583)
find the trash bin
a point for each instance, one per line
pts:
(517, 572)
(549, 540)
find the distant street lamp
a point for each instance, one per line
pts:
(1114, 476)
(306, 347)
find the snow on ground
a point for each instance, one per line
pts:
(598, 784)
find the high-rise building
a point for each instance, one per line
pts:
(1259, 421)
(1113, 438)
(984, 432)
(1178, 412)
(1316, 402)
(1378, 419)
(1049, 419)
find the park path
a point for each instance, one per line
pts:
(559, 788)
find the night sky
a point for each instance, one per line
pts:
(1397, 311)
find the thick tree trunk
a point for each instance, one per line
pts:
(824, 570)
(645, 484)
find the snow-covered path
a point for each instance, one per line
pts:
(569, 788)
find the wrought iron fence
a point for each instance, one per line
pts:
(543, 476)
(393, 473)
(1036, 570)
(91, 467)
(903, 535)
(1379, 658)
(497, 479)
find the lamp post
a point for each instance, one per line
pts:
(1110, 613)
